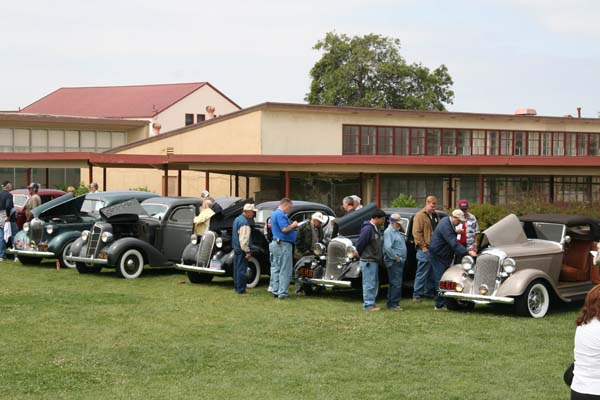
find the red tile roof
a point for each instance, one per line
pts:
(143, 101)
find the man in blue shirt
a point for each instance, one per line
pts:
(241, 246)
(281, 249)
(394, 257)
(369, 249)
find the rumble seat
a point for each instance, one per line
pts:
(576, 261)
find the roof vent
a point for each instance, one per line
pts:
(525, 111)
(169, 151)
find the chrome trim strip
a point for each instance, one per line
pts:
(204, 270)
(87, 260)
(32, 253)
(478, 297)
(331, 283)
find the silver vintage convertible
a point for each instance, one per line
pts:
(527, 262)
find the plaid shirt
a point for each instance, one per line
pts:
(472, 229)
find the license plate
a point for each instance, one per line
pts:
(216, 264)
(306, 272)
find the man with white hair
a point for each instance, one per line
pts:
(309, 234)
(394, 257)
(357, 200)
(242, 242)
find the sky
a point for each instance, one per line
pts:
(501, 54)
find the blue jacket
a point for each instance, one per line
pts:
(444, 244)
(6, 202)
(369, 245)
(394, 246)
(240, 221)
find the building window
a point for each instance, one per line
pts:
(478, 142)
(200, 117)
(449, 142)
(492, 143)
(558, 146)
(594, 144)
(570, 144)
(6, 140)
(433, 142)
(367, 140)
(350, 144)
(56, 141)
(385, 140)
(546, 143)
(520, 143)
(582, 144)
(417, 141)
(533, 144)
(402, 141)
(506, 142)
(189, 119)
(463, 142)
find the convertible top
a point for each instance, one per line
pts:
(565, 219)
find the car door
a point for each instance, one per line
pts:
(177, 231)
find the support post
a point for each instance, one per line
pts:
(207, 181)
(178, 182)
(247, 187)
(90, 173)
(377, 190)
(481, 189)
(104, 185)
(237, 184)
(287, 184)
(27, 176)
(47, 183)
(166, 180)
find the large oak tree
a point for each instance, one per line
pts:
(368, 71)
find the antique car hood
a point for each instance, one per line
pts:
(63, 205)
(127, 211)
(225, 219)
(350, 223)
(505, 232)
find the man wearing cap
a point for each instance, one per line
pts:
(308, 235)
(424, 223)
(284, 237)
(369, 249)
(6, 207)
(33, 201)
(444, 247)
(470, 225)
(394, 256)
(241, 240)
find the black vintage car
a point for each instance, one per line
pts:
(211, 254)
(131, 235)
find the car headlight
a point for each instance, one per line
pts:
(85, 235)
(483, 289)
(194, 239)
(106, 237)
(350, 250)
(26, 226)
(459, 288)
(467, 263)
(318, 249)
(509, 265)
(49, 229)
(219, 242)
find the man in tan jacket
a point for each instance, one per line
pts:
(424, 222)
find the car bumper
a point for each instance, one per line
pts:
(201, 270)
(31, 253)
(329, 283)
(87, 260)
(477, 298)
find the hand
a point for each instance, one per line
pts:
(472, 253)
(397, 259)
(294, 225)
(248, 255)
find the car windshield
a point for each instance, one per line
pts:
(155, 210)
(549, 231)
(262, 215)
(92, 206)
(20, 199)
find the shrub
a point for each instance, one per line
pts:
(404, 200)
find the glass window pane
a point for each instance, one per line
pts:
(478, 142)
(533, 143)
(350, 140)
(492, 143)
(385, 140)
(103, 141)
(571, 144)
(88, 141)
(449, 142)
(464, 142)
(367, 139)
(402, 139)
(56, 140)
(21, 139)
(558, 138)
(71, 140)
(417, 141)
(39, 140)
(506, 143)
(118, 139)
(520, 143)
(6, 140)
(433, 141)
(594, 144)
(582, 144)
(546, 143)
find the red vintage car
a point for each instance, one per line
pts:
(20, 197)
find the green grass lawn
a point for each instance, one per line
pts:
(70, 336)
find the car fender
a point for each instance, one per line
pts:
(57, 243)
(305, 260)
(151, 255)
(353, 270)
(78, 247)
(516, 284)
(190, 253)
(453, 274)
(22, 235)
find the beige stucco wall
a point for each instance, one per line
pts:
(174, 117)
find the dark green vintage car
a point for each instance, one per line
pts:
(58, 223)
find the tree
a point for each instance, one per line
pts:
(369, 71)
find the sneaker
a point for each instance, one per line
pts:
(443, 308)
(1, 259)
(396, 308)
(283, 297)
(270, 289)
(274, 295)
(16, 259)
(374, 308)
(417, 299)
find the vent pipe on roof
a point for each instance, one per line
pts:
(578, 112)
(210, 112)
(525, 111)
(156, 128)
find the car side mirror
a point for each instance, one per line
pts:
(566, 239)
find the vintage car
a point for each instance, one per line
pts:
(211, 254)
(58, 223)
(131, 235)
(20, 197)
(527, 262)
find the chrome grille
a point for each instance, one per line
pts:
(36, 230)
(205, 248)
(93, 241)
(336, 256)
(486, 270)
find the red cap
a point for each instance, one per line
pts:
(463, 203)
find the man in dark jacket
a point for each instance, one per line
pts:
(444, 247)
(6, 207)
(369, 249)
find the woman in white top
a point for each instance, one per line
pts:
(586, 375)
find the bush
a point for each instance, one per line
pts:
(79, 190)
(404, 200)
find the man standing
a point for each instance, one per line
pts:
(471, 225)
(33, 201)
(369, 249)
(394, 257)
(348, 204)
(93, 187)
(308, 235)
(444, 247)
(6, 207)
(241, 246)
(284, 237)
(424, 222)
(357, 200)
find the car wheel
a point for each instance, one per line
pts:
(196, 277)
(30, 260)
(535, 302)
(131, 264)
(252, 273)
(459, 305)
(85, 269)
(65, 252)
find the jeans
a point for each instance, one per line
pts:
(424, 275)
(281, 267)
(370, 281)
(240, 265)
(2, 242)
(439, 266)
(395, 272)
